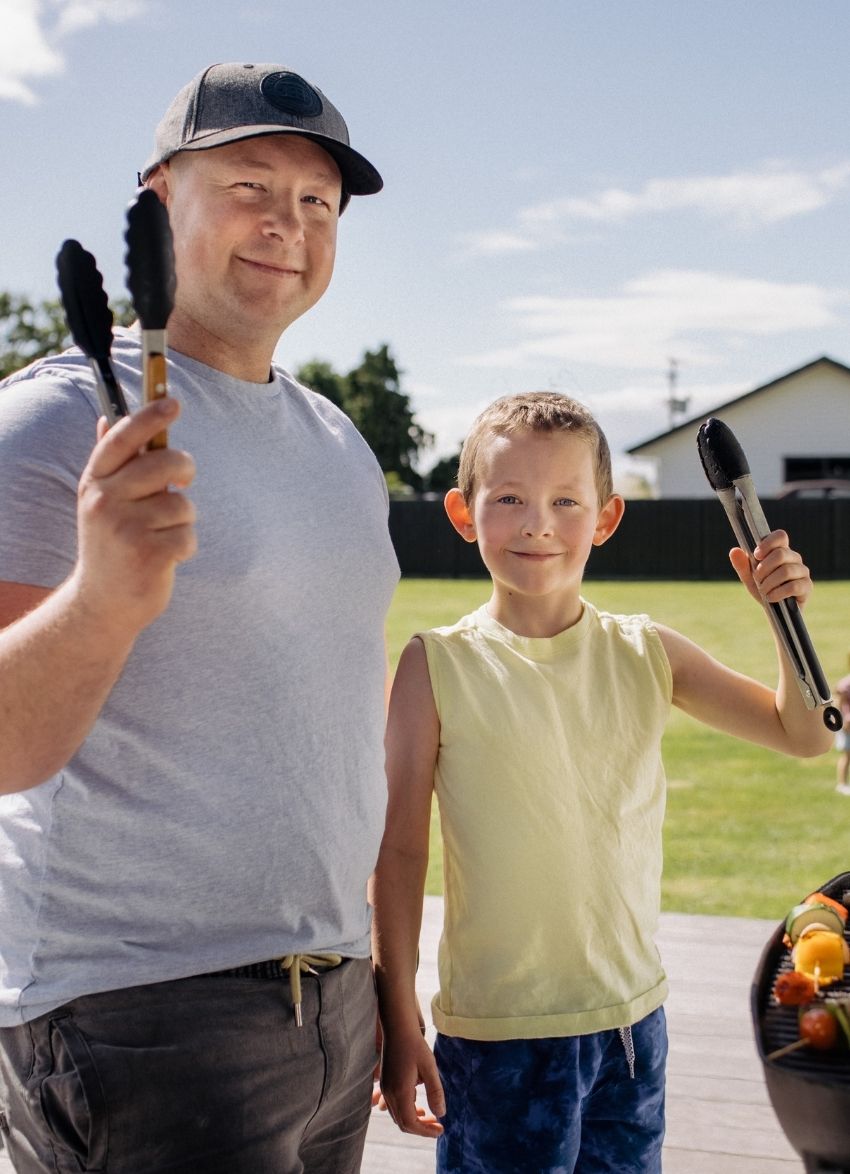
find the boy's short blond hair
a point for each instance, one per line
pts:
(536, 411)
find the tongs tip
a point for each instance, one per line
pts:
(150, 260)
(722, 457)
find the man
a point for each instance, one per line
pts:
(191, 694)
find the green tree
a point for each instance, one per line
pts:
(30, 330)
(443, 475)
(383, 414)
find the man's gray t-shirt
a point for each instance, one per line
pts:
(228, 804)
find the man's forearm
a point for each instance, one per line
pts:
(58, 665)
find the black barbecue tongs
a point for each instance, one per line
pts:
(90, 322)
(728, 474)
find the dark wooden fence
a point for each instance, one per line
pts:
(675, 539)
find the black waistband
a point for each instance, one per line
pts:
(268, 969)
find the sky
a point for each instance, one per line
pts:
(576, 192)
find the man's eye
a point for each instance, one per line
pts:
(316, 200)
(251, 185)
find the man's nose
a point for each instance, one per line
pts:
(285, 220)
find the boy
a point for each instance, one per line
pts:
(538, 722)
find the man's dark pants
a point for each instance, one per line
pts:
(207, 1075)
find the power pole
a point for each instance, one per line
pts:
(676, 405)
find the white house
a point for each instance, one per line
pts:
(795, 428)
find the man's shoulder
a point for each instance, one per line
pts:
(62, 383)
(318, 402)
(333, 419)
(66, 366)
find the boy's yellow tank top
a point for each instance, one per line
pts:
(551, 793)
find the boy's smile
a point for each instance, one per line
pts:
(536, 516)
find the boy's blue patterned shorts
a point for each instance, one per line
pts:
(554, 1106)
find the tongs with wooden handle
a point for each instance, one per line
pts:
(152, 283)
(729, 475)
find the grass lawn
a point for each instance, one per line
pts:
(748, 832)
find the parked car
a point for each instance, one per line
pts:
(826, 487)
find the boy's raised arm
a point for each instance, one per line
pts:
(412, 743)
(734, 703)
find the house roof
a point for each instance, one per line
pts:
(738, 399)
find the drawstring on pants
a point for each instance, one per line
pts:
(298, 964)
(628, 1048)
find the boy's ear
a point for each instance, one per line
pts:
(459, 514)
(609, 519)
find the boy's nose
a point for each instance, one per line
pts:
(538, 523)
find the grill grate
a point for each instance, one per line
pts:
(779, 1027)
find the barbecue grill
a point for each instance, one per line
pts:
(809, 1090)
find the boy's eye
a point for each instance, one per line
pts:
(565, 501)
(507, 499)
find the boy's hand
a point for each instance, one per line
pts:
(404, 1066)
(779, 572)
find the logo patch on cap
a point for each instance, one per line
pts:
(291, 94)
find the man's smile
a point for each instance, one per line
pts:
(268, 267)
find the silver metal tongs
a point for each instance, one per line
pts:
(728, 474)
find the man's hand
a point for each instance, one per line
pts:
(134, 524)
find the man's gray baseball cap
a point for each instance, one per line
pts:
(225, 103)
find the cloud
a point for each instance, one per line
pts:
(30, 48)
(81, 14)
(696, 316)
(773, 193)
(483, 243)
(24, 51)
(766, 195)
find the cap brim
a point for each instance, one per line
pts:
(359, 177)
